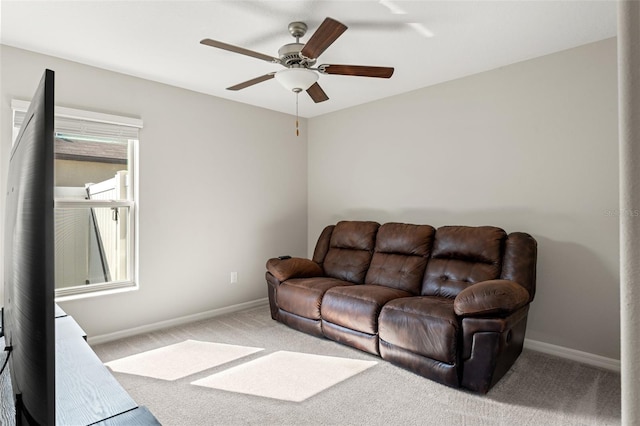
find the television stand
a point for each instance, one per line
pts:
(86, 391)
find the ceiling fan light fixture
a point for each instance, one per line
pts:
(296, 79)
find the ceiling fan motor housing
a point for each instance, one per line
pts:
(290, 55)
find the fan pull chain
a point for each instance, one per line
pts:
(297, 131)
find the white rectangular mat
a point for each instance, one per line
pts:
(290, 376)
(180, 360)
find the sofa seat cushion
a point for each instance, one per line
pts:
(303, 296)
(426, 326)
(358, 307)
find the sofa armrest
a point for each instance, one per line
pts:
(494, 297)
(294, 267)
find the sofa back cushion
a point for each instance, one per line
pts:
(322, 246)
(400, 256)
(519, 261)
(350, 250)
(463, 256)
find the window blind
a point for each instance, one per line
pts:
(88, 124)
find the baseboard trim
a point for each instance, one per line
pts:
(109, 337)
(573, 355)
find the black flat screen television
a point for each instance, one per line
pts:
(29, 323)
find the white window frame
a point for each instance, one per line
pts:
(129, 126)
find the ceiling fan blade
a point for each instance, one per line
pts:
(240, 50)
(327, 33)
(252, 82)
(316, 93)
(357, 70)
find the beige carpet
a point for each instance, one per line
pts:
(180, 360)
(539, 390)
(284, 375)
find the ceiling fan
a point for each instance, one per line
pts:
(299, 59)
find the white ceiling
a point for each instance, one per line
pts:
(159, 40)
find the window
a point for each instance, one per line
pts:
(95, 194)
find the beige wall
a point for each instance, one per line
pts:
(528, 147)
(212, 196)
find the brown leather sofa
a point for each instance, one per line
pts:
(449, 304)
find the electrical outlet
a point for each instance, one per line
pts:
(234, 277)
